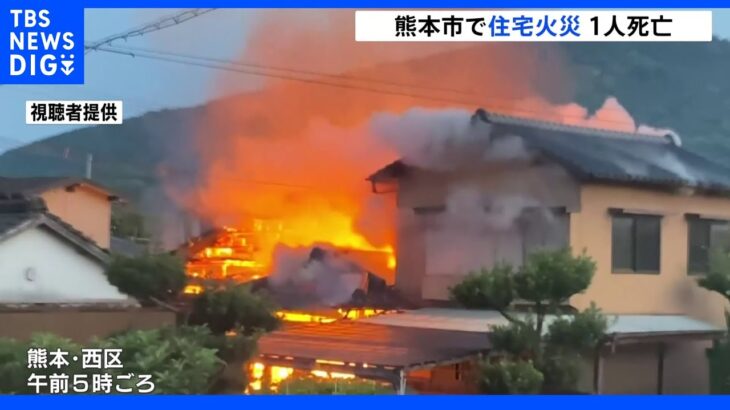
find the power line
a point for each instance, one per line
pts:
(265, 71)
(293, 70)
(231, 67)
(157, 25)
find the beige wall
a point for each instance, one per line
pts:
(670, 292)
(85, 208)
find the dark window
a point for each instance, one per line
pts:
(635, 243)
(705, 235)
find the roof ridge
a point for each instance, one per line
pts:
(500, 118)
(71, 229)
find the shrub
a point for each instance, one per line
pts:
(234, 308)
(510, 377)
(148, 278)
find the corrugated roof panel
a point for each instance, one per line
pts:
(480, 321)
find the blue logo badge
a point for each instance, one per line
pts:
(44, 46)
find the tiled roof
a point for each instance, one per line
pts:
(604, 156)
(19, 213)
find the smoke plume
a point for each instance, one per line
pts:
(320, 276)
(298, 151)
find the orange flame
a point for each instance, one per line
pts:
(297, 152)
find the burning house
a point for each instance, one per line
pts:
(638, 204)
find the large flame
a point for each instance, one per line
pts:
(296, 153)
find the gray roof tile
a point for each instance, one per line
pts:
(605, 156)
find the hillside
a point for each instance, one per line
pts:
(682, 86)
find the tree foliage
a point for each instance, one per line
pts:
(234, 307)
(541, 287)
(179, 360)
(149, 277)
(320, 386)
(718, 277)
(127, 223)
(510, 377)
(718, 280)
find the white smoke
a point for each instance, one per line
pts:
(469, 209)
(314, 276)
(433, 139)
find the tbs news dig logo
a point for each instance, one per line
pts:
(45, 48)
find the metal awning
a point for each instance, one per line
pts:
(368, 350)
(622, 327)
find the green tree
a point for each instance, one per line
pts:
(320, 386)
(718, 280)
(151, 278)
(541, 288)
(179, 360)
(510, 377)
(127, 223)
(236, 317)
(234, 308)
(14, 371)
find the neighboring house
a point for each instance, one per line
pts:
(80, 202)
(646, 210)
(52, 279)
(43, 259)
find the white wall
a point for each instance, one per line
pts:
(62, 274)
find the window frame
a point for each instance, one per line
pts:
(635, 216)
(709, 221)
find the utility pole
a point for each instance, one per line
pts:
(89, 162)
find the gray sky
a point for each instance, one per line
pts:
(143, 85)
(146, 85)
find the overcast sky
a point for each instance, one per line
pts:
(146, 85)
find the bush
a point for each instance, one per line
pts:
(510, 377)
(486, 289)
(527, 353)
(719, 358)
(319, 386)
(148, 278)
(560, 371)
(178, 359)
(14, 371)
(517, 339)
(582, 331)
(234, 308)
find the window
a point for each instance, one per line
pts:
(635, 243)
(705, 235)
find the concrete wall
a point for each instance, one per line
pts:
(36, 266)
(85, 208)
(672, 291)
(80, 325)
(436, 248)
